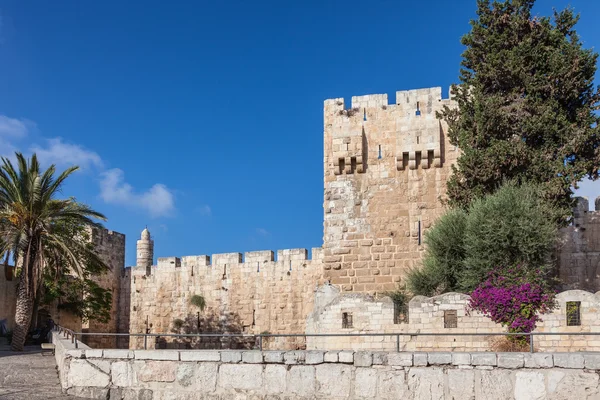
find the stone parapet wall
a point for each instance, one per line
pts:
(426, 315)
(250, 293)
(193, 374)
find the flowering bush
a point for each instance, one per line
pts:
(514, 297)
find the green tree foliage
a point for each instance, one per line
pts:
(509, 227)
(526, 105)
(198, 301)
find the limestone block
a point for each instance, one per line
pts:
(122, 374)
(569, 384)
(363, 359)
(510, 360)
(156, 371)
(331, 357)
(231, 356)
(346, 357)
(568, 360)
(75, 353)
(461, 384)
(530, 385)
(118, 353)
(400, 359)
(439, 358)
(591, 360)
(380, 358)
(333, 380)
(93, 353)
(135, 394)
(275, 379)
(185, 373)
(200, 355)
(426, 383)
(275, 357)
(301, 380)
(365, 383)
(483, 359)
(252, 357)
(88, 392)
(461, 358)
(82, 373)
(391, 384)
(538, 360)
(314, 357)
(167, 355)
(294, 357)
(420, 359)
(494, 384)
(240, 376)
(102, 365)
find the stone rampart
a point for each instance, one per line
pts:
(250, 293)
(194, 374)
(445, 314)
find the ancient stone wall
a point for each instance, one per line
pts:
(8, 291)
(385, 167)
(578, 253)
(249, 294)
(446, 314)
(188, 374)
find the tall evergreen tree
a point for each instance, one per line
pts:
(527, 105)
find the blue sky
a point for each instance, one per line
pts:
(203, 120)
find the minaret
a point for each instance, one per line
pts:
(145, 251)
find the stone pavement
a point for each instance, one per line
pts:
(29, 376)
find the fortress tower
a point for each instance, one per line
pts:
(386, 167)
(145, 251)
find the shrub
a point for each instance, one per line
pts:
(198, 301)
(514, 297)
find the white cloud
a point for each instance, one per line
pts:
(12, 127)
(61, 153)
(204, 210)
(158, 200)
(263, 232)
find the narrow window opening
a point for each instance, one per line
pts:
(346, 320)
(253, 318)
(379, 156)
(342, 164)
(364, 114)
(418, 112)
(417, 140)
(400, 312)
(450, 319)
(573, 313)
(290, 265)
(224, 271)
(258, 266)
(419, 232)
(352, 164)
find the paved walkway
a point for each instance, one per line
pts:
(29, 376)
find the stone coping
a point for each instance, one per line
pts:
(582, 360)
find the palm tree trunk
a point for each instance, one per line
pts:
(23, 313)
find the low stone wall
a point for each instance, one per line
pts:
(204, 374)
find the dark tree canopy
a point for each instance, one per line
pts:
(527, 105)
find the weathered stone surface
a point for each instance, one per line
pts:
(440, 358)
(461, 358)
(568, 360)
(365, 383)
(571, 385)
(494, 384)
(530, 385)
(363, 359)
(89, 392)
(510, 360)
(205, 376)
(334, 380)
(200, 355)
(93, 353)
(391, 384)
(346, 357)
(380, 358)
(82, 373)
(294, 357)
(252, 357)
(185, 373)
(591, 360)
(483, 359)
(241, 376)
(331, 357)
(314, 357)
(426, 383)
(122, 374)
(420, 359)
(538, 360)
(275, 379)
(232, 356)
(166, 355)
(156, 371)
(461, 384)
(275, 357)
(118, 353)
(301, 380)
(400, 359)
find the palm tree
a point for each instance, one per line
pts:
(32, 222)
